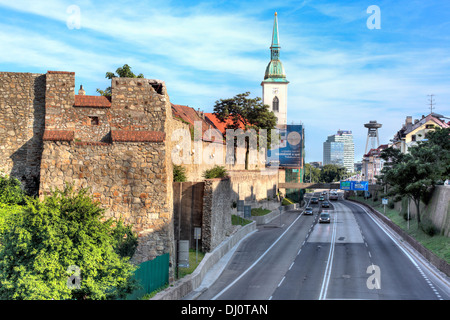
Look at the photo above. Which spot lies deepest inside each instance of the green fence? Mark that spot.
(151, 275)
(294, 175)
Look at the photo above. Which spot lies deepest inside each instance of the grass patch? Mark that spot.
(236, 220)
(150, 295)
(182, 272)
(438, 244)
(256, 212)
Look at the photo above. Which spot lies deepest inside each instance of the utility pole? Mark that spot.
(431, 102)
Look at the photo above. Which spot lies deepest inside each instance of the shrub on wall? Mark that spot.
(11, 191)
(216, 172)
(179, 173)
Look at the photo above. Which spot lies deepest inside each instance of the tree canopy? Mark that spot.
(331, 173)
(121, 72)
(63, 248)
(242, 110)
(415, 174)
(249, 113)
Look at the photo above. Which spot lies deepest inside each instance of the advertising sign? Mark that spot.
(289, 151)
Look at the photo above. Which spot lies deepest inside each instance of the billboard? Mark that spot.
(354, 185)
(290, 149)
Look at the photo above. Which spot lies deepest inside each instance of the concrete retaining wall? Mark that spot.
(191, 282)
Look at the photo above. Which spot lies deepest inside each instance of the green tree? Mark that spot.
(311, 173)
(415, 174)
(121, 72)
(331, 173)
(49, 239)
(247, 113)
(250, 113)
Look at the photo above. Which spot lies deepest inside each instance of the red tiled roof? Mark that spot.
(92, 101)
(61, 72)
(137, 136)
(222, 126)
(58, 135)
(189, 115)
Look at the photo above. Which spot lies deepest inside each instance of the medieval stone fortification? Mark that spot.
(117, 147)
(121, 149)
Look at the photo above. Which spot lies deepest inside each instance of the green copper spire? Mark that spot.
(275, 70)
(275, 44)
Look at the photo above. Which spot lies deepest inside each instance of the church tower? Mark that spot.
(275, 85)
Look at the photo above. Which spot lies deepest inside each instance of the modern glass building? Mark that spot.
(339, 149)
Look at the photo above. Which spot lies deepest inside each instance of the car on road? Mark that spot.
(324, 193)
(334, 196)
(324, 217)
(325, 204)
(308, 211)
(321, 198)
(314, 200)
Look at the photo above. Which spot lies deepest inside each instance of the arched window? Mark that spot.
(275, 104)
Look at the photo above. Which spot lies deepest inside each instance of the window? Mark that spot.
(413, 137)
(94, 120)
(275, 104)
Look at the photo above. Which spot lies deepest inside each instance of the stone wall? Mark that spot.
(437, 210)
(22, 101)
(220, 196)
(116, 147)
(126, 178)
(254, 186)
(123, 156)
(216, 221)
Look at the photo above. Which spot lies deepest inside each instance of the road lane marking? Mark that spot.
(256, 262)
(403, 249)
(281, 281)
(327, 275)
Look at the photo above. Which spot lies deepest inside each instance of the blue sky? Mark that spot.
(342, 74)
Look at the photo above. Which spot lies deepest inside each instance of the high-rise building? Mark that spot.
(274, 85)
(339, 149)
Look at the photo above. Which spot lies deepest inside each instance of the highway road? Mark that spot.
(352, 257)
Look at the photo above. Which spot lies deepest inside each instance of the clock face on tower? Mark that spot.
(275, 90)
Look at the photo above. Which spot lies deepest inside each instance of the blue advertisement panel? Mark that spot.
(289, 151)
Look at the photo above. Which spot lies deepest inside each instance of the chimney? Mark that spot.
(81, 92)
(408, 120)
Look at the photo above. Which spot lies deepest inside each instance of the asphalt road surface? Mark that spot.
(353, 257)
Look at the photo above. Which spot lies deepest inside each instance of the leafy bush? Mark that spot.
(216, 172)
(428, 227)
(47, 240)
(179, 173)
(11, 191)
